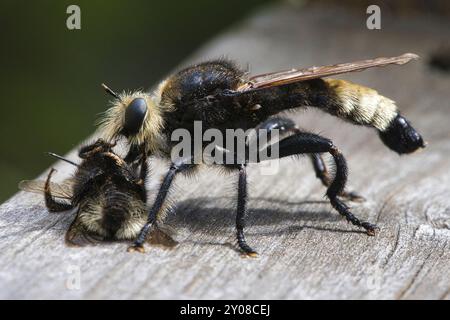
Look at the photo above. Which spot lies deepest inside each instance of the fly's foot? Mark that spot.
(247, 251)
(371, 229)
(251, 254)
(136, 248)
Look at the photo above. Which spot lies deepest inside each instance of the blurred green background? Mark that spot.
(50, 76)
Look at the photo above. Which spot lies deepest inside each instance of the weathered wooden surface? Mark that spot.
(307, 250)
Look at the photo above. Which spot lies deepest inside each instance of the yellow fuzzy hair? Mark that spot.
(362, 105)
(112, 121)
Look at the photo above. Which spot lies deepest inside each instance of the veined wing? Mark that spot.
(60, 190)
(295, 75)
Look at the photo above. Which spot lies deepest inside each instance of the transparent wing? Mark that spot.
(295, 75)
(60, 190)
(163, 235)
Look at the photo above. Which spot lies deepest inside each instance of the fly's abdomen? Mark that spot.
(364, 106)
(348, 101)
(360, 104)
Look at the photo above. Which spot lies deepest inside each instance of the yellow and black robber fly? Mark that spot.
(222, 96)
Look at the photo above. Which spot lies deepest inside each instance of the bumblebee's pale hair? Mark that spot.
(92, 215)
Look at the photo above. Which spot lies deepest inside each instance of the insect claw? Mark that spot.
(371, 229)
(250, 254)
(136, 248)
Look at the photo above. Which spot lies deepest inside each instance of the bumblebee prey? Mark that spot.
(110, 196)
(222, 96)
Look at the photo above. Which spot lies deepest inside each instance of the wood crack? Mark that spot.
(394, 249)
(411, 282)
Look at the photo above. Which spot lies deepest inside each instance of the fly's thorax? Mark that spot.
(200, 80)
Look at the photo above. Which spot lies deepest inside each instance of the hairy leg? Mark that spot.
(242, 213)
(308, 143)
(324, 175)
(286, 126)
(176, 167)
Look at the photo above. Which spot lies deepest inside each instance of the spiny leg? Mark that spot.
(52, 204)
(323, 174)
(175, 168)
(286, 126)
(304, 142)
(336, 188)
(160, 198)
(242, 212)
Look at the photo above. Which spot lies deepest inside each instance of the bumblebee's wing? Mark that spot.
(60, 190)
(163, 236)
(295, 75)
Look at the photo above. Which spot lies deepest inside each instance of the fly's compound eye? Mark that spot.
(134, 117)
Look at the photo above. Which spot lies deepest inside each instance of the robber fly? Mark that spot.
(222, 96)
(110, 197)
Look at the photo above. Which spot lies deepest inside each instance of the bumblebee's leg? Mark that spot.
(242, 212)
(323, 174)
(175, 168)
(52, 204)
(303, 142)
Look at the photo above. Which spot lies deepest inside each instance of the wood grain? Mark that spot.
(307, 250)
